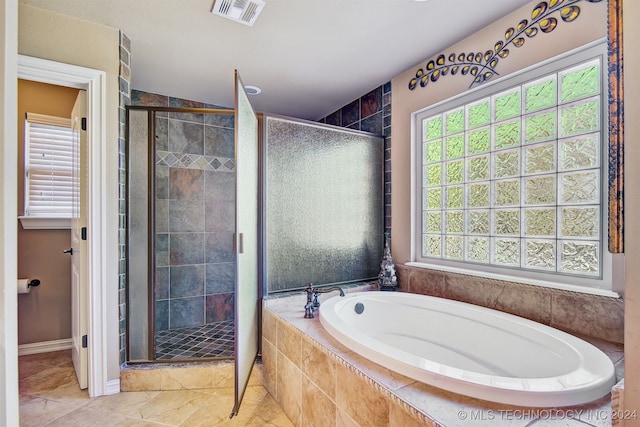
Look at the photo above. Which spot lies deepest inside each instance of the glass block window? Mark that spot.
(513, 179)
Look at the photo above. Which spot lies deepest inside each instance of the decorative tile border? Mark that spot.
(194, 161)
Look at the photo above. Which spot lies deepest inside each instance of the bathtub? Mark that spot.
(470, 350)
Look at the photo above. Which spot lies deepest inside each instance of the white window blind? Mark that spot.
(48, 166)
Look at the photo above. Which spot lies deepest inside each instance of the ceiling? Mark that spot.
(309, 57)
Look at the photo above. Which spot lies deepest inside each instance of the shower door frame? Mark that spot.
(151, 206)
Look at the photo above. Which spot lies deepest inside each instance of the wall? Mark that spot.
(56, 37)
(589, 26)
(44, 314)
(632, 208)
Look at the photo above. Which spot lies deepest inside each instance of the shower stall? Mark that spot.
(181, 226)
(315, 198)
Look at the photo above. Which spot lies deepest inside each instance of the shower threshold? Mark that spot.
(215, 340)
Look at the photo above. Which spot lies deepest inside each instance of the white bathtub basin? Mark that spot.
(471, 350)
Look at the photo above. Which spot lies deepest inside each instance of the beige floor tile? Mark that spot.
(36, 412)
(84, 417)
(122, 403)
(268, 413)
(132, 422)
(50, 396)
(170, 407)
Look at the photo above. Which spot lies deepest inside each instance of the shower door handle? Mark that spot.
(238, 242)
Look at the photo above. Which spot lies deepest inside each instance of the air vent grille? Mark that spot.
(243, 11)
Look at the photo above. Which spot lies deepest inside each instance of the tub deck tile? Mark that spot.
(369, 394)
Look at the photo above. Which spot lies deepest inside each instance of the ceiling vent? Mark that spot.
(244, 11)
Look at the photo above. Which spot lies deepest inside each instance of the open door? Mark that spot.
(78, 251)
(245, 241)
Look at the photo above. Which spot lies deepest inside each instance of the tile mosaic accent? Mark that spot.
(194, 161)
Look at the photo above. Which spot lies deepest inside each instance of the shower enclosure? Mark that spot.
(181, 227)
(218, 217)
(192, 252)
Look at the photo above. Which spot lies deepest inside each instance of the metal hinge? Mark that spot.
(84, 341)
(84, 124)
(83, 233)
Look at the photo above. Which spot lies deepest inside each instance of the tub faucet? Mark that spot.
(312, 298)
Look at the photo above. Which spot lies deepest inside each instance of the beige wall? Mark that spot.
(44, 314)
(632, 208)
(590, 26)
(60, 38)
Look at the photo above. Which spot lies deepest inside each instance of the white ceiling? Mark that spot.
(309, 57)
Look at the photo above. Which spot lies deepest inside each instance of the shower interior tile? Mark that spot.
(220, 278)
(186, 216)
(186, 137)
(162, 315)
(219, 247)
(187, 248)
(162, 283)
(187, 281)
(186, 184)
(219, 142)
(221, 120)
(162, 182)
(186, 312)
(219, 186)
(220, 307)
(219, 216)
(162, 133)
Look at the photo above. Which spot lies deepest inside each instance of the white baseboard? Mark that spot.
(113, 387)
(44, 347)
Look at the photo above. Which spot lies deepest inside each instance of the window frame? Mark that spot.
(31, 220)
(603, 284)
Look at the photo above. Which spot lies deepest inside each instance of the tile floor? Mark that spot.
(50, 396)
(215, 340)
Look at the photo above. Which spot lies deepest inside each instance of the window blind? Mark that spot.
(48, 166)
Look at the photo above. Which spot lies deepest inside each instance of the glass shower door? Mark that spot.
(245, 241)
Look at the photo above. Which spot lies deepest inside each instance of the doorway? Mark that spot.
(94, 82)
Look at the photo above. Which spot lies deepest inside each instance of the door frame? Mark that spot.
(95, 83)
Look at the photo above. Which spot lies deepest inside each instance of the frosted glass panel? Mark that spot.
(324, 204)
(246, 242)
(138, 237)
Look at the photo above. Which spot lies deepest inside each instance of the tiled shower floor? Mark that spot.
(215, 340)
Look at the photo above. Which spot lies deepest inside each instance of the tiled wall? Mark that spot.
(371, 113)
(125, 99)
(195, 264)
(577, 313)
